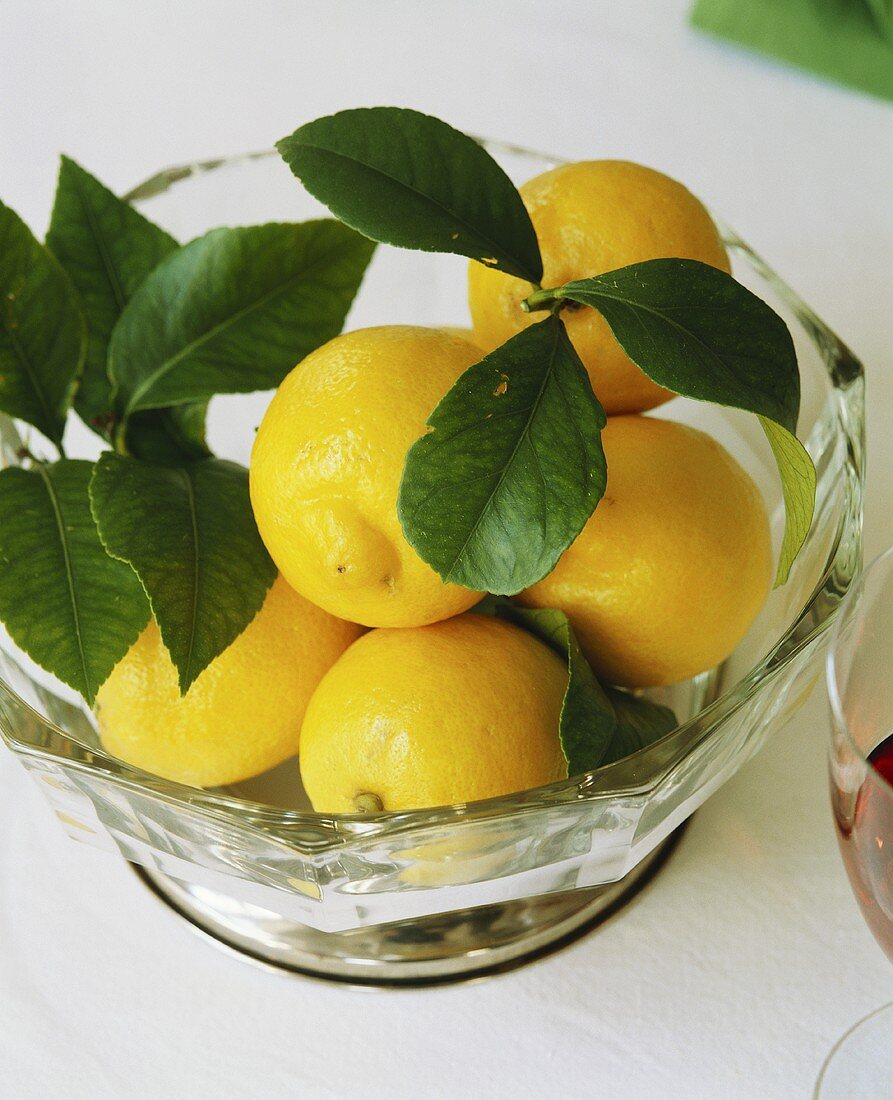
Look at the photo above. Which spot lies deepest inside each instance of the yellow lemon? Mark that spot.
(326, 469)
(675, 562)
(242, 715)
(455, 711)
(590, 218)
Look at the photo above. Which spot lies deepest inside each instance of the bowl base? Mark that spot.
(436, 950)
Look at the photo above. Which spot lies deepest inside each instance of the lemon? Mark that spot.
(326, 469)
(673, 565)
(593, 217)
(434, 715)
(242, 715)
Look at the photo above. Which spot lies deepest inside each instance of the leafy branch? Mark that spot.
(482, 498)
(697, 332)
(113, 318)
(137, 333)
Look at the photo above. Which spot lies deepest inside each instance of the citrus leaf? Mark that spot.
(65, 602)
(42, 332)
(882, 13)
(798, 486)
(599, 725)
(234, 311)
(108, 249)
(587, 724)
(696, 331)
(640, 723)
(511, 468)
(170, 436)
(408, 179)
(189, 533)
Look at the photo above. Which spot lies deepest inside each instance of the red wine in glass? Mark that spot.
(865, 833)
(860, 693)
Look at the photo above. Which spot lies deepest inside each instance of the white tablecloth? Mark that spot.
(735, 972)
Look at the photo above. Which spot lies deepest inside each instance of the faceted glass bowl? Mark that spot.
(356, 897)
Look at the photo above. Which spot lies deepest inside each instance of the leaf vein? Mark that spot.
(190, 494)
(504, 472)
(206, 337)
(108, 266)
(33, 379)
(69, 574)
(629, 303)
(431, 201)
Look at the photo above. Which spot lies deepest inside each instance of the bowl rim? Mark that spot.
(634, 776)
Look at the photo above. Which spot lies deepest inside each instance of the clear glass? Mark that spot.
(258, 848)
(860, 692)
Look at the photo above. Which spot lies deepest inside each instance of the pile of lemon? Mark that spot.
(362, 656)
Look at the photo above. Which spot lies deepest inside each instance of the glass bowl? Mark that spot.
(431, 895)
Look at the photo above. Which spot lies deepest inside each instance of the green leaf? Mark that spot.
(234, 311)
(587, 725)
(168, 437)
(696, 331)
(798, 486)
(599, 725)
(42, 332)
(408, 179)
(640, 723)
(65, 602)
(108, 249)
(511, 468)
(189, 533)
(882, 13)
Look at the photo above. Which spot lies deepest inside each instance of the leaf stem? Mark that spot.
(542, 300)
(119, 439)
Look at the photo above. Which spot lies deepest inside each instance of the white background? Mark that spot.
(740, 966)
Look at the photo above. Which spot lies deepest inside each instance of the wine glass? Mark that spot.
(860, 690)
